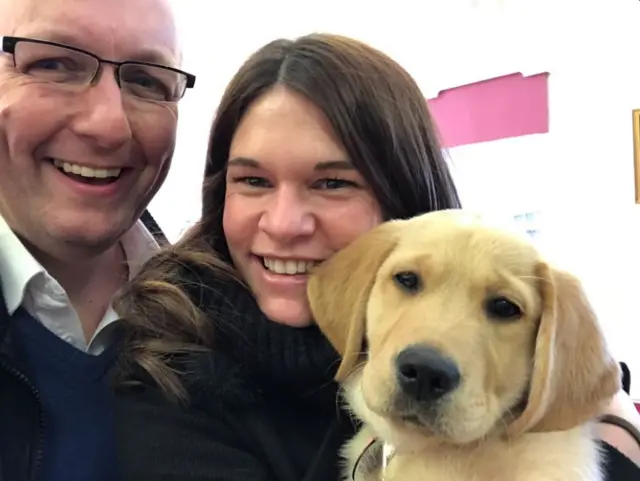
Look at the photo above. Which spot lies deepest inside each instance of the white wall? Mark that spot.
(443, 43)
(580, 174)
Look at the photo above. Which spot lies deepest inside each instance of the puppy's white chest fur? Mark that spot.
(557, 456)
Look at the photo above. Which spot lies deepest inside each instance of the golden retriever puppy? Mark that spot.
(465, 353)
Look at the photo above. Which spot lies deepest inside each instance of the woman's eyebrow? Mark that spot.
(320, 166)
(334, 165)
(243, 162)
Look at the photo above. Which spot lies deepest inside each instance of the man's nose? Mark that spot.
(287, 215)
(102, 117)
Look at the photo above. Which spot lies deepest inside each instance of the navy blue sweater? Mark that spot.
(79, 441)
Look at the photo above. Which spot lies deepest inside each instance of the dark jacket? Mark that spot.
(263, 406)
(274, 440)
(22, 425)
(21, 421)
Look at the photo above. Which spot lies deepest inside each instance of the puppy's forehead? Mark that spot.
(453, 238)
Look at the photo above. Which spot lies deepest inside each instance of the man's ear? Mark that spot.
(574, 375)
(339, 291)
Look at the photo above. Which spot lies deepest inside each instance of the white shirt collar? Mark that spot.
(26, 283)
(18, 266)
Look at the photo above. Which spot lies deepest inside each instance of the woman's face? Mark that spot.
(293, 198)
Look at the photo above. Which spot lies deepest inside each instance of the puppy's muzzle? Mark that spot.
(425, 375)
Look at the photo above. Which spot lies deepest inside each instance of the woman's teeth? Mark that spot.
(288, 267)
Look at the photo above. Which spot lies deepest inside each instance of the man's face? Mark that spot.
(46, 129)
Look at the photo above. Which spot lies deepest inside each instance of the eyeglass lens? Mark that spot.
(57, 64)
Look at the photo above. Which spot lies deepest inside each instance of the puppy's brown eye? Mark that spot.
(408, 281)
(502, 308)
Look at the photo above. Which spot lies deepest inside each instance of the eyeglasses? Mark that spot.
(73, 67)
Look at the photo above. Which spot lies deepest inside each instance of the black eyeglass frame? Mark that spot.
(9, 46)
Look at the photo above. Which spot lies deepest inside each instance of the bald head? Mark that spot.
(117, 26)
(9, 9)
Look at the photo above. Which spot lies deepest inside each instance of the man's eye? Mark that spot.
(54, 64)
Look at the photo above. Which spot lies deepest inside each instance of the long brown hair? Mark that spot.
(377, 112)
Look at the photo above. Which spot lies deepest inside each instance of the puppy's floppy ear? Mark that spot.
(339, 291)
(574, 375)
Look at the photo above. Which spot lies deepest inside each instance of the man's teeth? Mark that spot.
(290, 267)
(84, 171)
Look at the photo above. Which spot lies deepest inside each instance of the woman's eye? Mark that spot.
(251, 181)
(333, 184)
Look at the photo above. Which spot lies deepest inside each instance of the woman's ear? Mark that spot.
(574, 374)
(339, 290)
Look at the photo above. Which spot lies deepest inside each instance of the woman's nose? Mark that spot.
(287, 215)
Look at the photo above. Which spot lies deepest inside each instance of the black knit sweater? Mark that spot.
(263, 406)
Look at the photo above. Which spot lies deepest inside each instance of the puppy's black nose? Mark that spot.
(426, 374)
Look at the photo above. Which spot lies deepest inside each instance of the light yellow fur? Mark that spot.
(554, 358)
